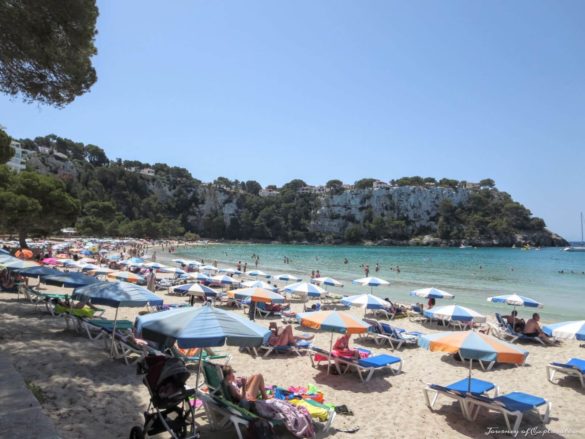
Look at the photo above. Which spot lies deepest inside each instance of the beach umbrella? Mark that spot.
(224, 280)
(259, 284)
(327, 281)
(135, 261)
(574, 330)
(229, 271)
(196, 290)
(288, 277)
(515, 300)
(116, 294)
(305, 289)
(100, 271)
(70, 263)
(69, 280)
(454, 313)
(39, 271)
(87, 261)
(371, 282)
(85, 252)
(334, 322)
(24, 254)
(18, 264)
(432, 293)
(179, 261)
(202, 277)
(202, 327)
(4, 252)
(126, 276)
(171, 270)
(88, 267)
(7, 258)
(366, 301)
(208, 268)
(153, 265)
(256, 295)
(50, 261)
(259, 273)
(473, 345)
(193, 262)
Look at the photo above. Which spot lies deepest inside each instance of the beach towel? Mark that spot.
(297, 420)
(316, 412)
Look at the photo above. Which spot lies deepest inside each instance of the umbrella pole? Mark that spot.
(469, 378)
(198, 374)
(114, 333)
(329, 359)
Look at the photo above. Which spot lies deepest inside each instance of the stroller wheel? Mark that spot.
(136, 433)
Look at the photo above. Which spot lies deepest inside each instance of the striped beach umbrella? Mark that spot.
(224, 280)
(256, 295)
(259, 273)
(100, 271)
(454, 313)
(305, 289)
(196, 290)
(574, 330)
(259, 284)
(515, 300)
(327, 281)
(334, 322)
(201, 277)
(208, 268)
(432, 293)
(174, 270)
(153, 265)
(366, 301)
(126, 276)
(473, 345)
(371, 282)
(288, 277)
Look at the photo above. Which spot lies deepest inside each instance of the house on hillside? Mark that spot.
(379, 184)
(18, 160)
(268, 192)
(149, 172)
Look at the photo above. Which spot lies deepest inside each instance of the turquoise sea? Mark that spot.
(471, 274)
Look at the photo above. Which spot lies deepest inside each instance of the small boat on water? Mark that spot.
(577, 248)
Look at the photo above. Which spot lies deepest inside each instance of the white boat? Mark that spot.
(577, 248)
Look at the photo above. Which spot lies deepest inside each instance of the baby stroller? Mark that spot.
(170, 408)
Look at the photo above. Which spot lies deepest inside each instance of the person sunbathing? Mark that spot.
(532, 329)
(516, 323)
(285, 337)
(246, 393)
(341, 348)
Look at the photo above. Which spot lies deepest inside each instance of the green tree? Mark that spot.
(487, 182)
(335, 186)
(253, 187)
(353, 233)
(6, 151)
(46, 49)
(35, 203)
(95, 155)
(365, 183)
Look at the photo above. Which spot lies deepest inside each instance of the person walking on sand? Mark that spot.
(151, 281)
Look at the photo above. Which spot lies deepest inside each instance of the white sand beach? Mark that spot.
(89, 395)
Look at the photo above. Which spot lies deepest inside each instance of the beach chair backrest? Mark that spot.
(500, 320)
(213, 376)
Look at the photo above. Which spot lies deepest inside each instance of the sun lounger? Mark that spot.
(381, 337)
(459, 392)
(416, 314)
(301, 348)
(130, 349)
(573, 367)
(514, 404)
(99, 328)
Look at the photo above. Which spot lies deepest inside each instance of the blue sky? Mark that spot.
(275, 90)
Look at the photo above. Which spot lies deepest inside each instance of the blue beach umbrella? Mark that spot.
(454, 313)
(327, 281)
(4, 252)
(574, 330)
(366, 301)
(116, 294)
(224, 280)
(259, 284)
(6, 258)
(16, 264)
(200, 328)
(229, 271)
(135, 260)
(371, 282)
(69, 280)
(39, 271)
(432, 293)
(515, 300)
(201, 277)
(259, 273)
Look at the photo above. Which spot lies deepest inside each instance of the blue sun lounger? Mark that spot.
(514, 404)
(573, 367)
(459, 391)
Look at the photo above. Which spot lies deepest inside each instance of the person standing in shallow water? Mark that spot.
(367, 270)
(377, 267)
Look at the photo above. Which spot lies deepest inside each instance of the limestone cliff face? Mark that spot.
(417, 206)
